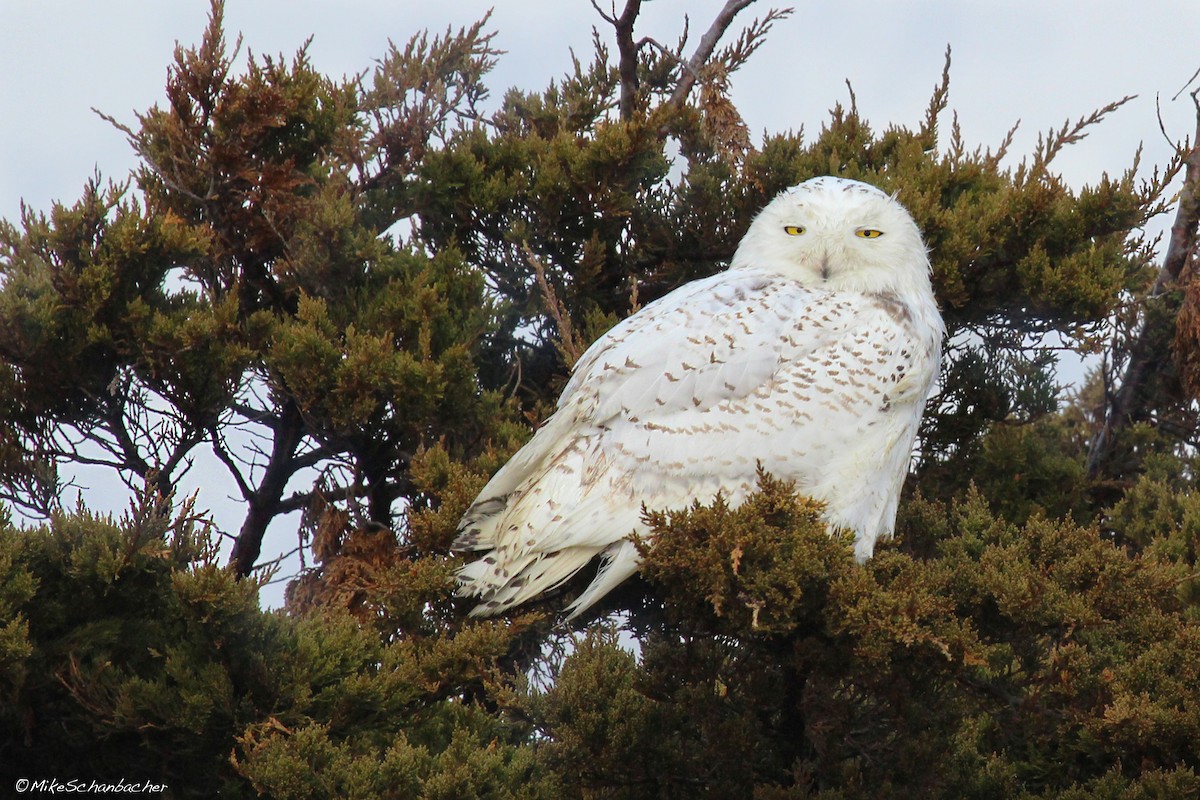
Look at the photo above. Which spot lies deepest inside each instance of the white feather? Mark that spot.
(813, 354)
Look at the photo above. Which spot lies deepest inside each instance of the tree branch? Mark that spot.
(690, 69)
(1123, 404)
(264, 501)
(569, 344)
(708, 43)
(628, 50)
(226, 458)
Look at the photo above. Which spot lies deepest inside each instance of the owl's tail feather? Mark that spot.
(502, 580)
(477, 531)
(620, 562)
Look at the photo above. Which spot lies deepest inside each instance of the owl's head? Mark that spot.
(841, 235)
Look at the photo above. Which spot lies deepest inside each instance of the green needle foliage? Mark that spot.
(359, 297)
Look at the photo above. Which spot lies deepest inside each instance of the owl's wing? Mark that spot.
(657, 359)
(680, 401)
(709, 341)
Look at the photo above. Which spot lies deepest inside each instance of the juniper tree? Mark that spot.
(360, 296)
(242, 300)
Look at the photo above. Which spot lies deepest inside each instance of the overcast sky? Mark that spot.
(1038, 62)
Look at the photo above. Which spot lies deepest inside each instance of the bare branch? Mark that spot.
(1183, 230)
(224, 456)
(628, 51)
(611, 19)
(708, 43)
(1144, 355)
(264, 500)
(314, 456)
(853, 97)
(663, 50)
(1183, 88)
(299, 501)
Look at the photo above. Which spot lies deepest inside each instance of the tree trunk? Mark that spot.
(264, 503)
(1149, 353)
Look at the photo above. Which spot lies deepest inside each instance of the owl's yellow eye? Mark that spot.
(868, 233)
(793, 230)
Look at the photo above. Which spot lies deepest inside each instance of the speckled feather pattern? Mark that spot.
(797, 359)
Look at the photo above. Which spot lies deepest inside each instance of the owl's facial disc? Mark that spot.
(841, 235)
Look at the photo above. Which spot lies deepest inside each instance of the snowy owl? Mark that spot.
(813, 355)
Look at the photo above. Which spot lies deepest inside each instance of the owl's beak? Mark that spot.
(825, 270)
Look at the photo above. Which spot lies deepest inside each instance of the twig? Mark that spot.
(1183, 88)
(1122, 404)
(1183, 230)
(1049, 145)
(708, 43)
(568, 341)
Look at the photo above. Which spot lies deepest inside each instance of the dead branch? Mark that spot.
(1183, 230)
(568, 341)
(1122, 405)
(691, 69)
(708, 43)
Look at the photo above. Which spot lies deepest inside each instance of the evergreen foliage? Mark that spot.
(361, 296)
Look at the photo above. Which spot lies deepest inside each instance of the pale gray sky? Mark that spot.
(1038, 62)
